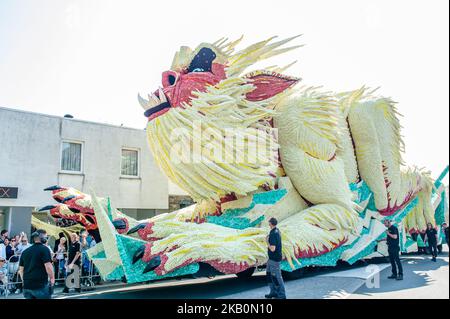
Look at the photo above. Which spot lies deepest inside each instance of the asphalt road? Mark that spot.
(422, 279)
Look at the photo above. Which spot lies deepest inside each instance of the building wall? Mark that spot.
(19, 220)
(30, 155)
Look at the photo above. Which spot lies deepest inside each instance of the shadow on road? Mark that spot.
(310, 286)
(209, 289)
(416, 274)
(224, 287)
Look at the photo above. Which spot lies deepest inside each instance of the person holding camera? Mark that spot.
(35, 268)
(23, 244)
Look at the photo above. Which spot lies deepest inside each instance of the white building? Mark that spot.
(37, 151)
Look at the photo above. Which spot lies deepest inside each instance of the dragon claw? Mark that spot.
(136, 228)
(152, 264)
(45, 208)
(67, 198)
(138, 254)
(53, 188)
(119, 224)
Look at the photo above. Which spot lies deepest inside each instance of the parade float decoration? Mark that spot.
(74, 206)
(54, 230)
(248, 145)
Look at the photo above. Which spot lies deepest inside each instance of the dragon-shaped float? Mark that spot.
(330, 170)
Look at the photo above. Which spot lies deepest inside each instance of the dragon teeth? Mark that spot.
(162, 96)
(153, 100)
(143, 102)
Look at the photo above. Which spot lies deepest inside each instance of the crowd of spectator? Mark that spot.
(65, 253)
(13, 246)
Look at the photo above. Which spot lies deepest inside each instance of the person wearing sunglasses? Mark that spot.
(36, 268)
(23, 244)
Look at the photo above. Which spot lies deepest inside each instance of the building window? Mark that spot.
(71, 157)
(129, 166)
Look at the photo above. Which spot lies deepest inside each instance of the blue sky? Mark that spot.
(91, 58)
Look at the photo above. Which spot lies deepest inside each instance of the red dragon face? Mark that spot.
(205, 70)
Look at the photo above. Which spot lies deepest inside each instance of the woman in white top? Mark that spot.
(61, 257)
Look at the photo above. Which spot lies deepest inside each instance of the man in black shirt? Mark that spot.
(393, 243)
(273, 265)
(445, 230)
(73, 259)
(431, 238)
(35, 267)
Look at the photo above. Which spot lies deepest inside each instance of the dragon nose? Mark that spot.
(169, 78)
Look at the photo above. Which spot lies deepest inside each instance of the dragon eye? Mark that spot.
(202, 61)
(172, 79)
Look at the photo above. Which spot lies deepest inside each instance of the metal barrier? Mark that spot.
(12, 282)
(60, 277)
(4, 284)
(89, 276)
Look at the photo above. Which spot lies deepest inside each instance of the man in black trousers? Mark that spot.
(393, 243)
(445, 230)
(273, 264)
(431, 238)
